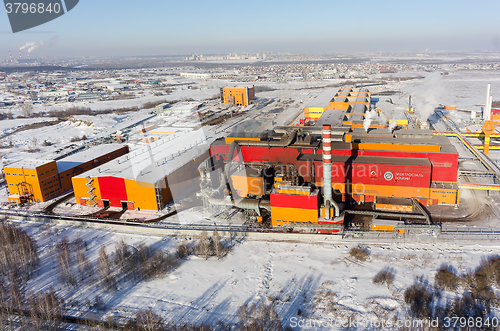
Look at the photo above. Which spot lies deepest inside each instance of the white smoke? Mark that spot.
(428, 95)
(383, 118)
(32, 45)
(369, 117)
(393, 125)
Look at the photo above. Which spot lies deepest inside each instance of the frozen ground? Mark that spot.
(30, 143)
(321, 280)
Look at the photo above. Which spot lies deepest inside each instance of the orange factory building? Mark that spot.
(41, 180)
(147, 178)
(240, 96)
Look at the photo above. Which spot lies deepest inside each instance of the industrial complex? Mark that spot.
(301, 175)
(345, 157)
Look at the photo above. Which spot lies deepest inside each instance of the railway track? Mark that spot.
(168, 229)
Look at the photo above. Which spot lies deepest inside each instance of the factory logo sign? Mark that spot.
(27, 14)
(388, 176)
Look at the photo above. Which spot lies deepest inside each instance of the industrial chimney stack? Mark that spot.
(327, 168)
(487, 105)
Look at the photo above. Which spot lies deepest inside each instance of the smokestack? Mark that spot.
(487, 105)
(11, 61)
(327, 168)
(409, 103)
(20, 56)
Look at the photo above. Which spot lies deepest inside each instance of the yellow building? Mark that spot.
(240, 96)
(42, 180)
(32, 180)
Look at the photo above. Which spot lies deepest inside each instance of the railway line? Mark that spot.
(412, 232)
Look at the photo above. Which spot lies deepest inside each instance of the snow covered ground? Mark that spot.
(320, 279)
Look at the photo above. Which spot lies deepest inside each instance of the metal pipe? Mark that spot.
(270, 143)
(253, 204)
(487, 105)
(340, 131)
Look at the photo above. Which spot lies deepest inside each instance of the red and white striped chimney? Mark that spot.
(327, 168)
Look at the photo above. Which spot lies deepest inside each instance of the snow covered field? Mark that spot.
(305, 281)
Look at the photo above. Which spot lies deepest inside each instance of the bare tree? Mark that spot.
(149, 321)
(45, 310)
(18, 254)
(64, 262)
(27, 109)
(204, 244)
(84, 266)
(104, 269)
(262, 317)
(217, 244)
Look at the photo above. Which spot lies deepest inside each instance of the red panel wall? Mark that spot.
(397, 175)
(373, 174)
(295, 201)
(444, 165)
(113, 188)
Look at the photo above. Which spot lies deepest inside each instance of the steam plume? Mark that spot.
(369, 117)
(427, 96)
(32, 45)
(393, 125)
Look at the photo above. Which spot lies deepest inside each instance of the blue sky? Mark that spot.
(154, 27)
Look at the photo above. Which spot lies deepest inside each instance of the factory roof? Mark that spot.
(420, 162)
(69, 161)
(398, 141)
(357, 108)
(184, 106)
(239, 86)
(28, 163)
(398, 133)
(322, 100)
(157, 160)
(333, 117)
(86, 155)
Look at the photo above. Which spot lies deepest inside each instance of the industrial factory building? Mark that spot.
(313, 168)
(411, 164)
(147, 178)
(346, 101)
(240, 96)
(42, 180)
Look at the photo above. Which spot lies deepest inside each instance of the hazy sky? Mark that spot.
(154, 27)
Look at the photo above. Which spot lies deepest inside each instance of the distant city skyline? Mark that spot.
(132, 28)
